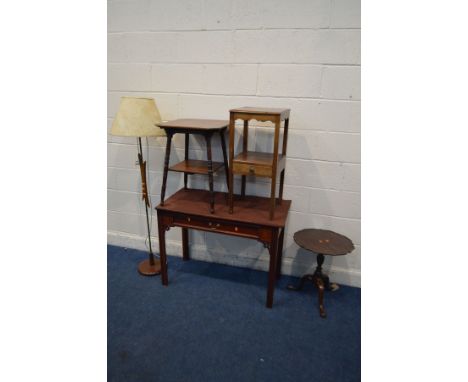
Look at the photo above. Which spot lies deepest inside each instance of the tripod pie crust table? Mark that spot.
(322, 242)
(187, 209)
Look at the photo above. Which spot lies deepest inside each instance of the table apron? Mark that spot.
(263, 234)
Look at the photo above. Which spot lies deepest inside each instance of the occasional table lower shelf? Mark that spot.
(194, 166)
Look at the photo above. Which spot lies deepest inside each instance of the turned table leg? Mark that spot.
(162, 250)
(187, 140)
(273, 249)
(210, 171)
(166, 167)
(185, 247)
(225, 159)
(280, 254)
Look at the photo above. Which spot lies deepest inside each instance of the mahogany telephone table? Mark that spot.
(187, 209)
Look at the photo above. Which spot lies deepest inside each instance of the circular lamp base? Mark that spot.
(146, 269)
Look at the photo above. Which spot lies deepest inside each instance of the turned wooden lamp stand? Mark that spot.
(258, 163)
(321, 242)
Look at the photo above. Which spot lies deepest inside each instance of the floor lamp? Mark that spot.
(137, 117)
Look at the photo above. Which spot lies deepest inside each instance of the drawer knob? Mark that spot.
(252, 169)
(212, 226)
(236, 229)
(188, 219)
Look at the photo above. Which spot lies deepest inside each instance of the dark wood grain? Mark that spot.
(195, 166)
(323, 242)
(207, 128)
(269, 165)
(251, 209)
(187, 209)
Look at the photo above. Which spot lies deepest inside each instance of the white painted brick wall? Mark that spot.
(198, 59)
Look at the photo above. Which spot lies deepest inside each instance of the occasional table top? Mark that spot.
(251, 209)
(323, 241)
(262, 110)
(195, 124)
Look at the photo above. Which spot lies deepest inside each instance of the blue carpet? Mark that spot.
(211, 324)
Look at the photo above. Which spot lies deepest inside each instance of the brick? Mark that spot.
(336, 47)
(311, 173)
(341, 82)
(128, 15)
(351, 177)
(176, 15)
(217, 14)
(206, 106)
(230, 79)
(123, 156)
(205, 47)
(116, 48)
(123, 179)
(128, 223)
(247, 14)
(183, 78)
(297, 46)
(296, 14)
(142, 47)
(129, 77)
(335, 203)
(125, 202)
(334, 116)
(338, 147)
(299, 197)
(346, 14)
(289, 80)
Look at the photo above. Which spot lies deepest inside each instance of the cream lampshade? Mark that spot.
(137, 117)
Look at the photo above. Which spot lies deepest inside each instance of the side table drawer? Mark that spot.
(213, 225)
(251, 169)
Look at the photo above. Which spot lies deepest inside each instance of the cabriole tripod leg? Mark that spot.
(321, 289)
(301, 282)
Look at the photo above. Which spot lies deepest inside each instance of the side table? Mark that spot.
(322, 242)
(207, 128)
(187, 209)
(258, 163)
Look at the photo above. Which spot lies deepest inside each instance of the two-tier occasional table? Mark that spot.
(207, 128)
(322, 242)
(258, 163)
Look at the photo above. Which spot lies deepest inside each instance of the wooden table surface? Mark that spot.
(251, 209)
